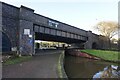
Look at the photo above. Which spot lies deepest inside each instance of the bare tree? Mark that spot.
(108, 29)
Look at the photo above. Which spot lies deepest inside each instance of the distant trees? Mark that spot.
(108, 29)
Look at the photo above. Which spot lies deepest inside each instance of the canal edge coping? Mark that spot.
(60, 67)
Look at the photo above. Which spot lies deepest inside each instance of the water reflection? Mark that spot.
(77, 67)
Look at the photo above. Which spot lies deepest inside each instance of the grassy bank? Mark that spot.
(17, 60)
(106, 55)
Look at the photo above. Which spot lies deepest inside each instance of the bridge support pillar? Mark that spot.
(88, 44)
(26, 34)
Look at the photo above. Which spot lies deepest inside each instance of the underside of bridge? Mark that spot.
(48, 37)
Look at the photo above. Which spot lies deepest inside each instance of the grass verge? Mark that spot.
(103, 54)
(17, 60)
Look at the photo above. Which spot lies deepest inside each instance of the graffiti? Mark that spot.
(30, 41)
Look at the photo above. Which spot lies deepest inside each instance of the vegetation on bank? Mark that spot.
(16, 60)
(104, 54)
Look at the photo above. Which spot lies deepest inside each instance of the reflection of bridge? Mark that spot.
(23, 26)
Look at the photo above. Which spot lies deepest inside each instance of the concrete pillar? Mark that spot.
(26, 34)
(88, 44)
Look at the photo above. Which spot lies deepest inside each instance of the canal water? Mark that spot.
(78, 67)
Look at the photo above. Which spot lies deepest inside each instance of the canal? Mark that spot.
(78, 67)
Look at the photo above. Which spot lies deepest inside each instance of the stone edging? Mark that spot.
(60, 66)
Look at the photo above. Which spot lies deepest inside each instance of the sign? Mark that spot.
(27, 31)
(30, 36)
(53, 23)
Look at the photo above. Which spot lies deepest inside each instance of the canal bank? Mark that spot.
(104, 55)
(61, 70)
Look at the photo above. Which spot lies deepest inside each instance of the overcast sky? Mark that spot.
(83, 14)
